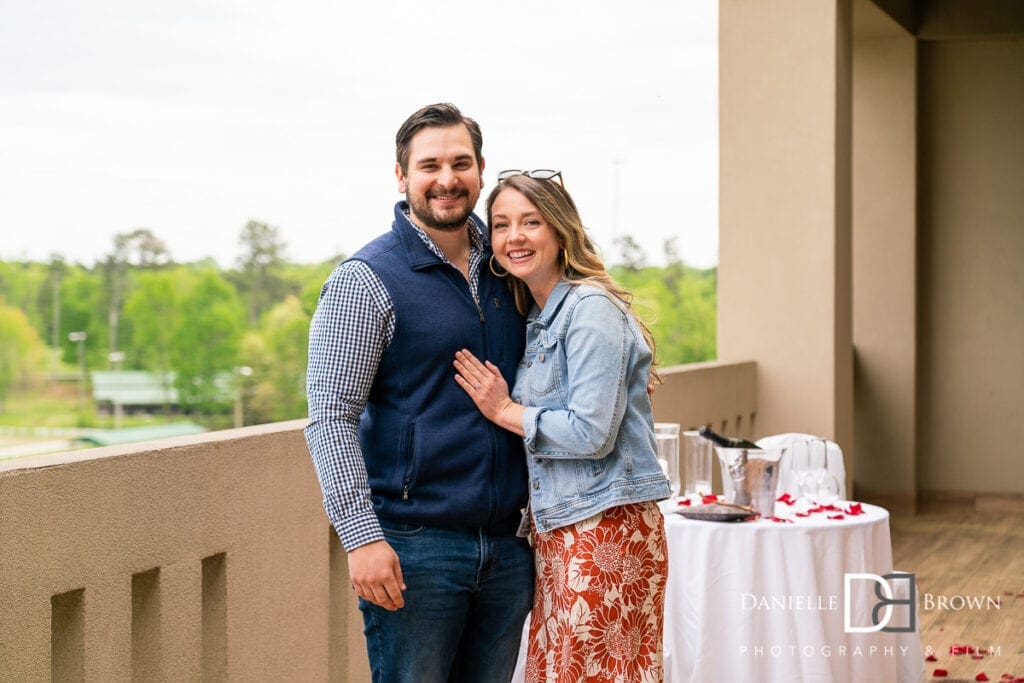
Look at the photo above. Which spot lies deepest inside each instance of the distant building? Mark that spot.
(133, 390)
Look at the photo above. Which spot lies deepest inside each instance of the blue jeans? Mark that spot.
(467, 596)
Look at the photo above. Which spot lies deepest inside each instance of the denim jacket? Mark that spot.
(589, 426)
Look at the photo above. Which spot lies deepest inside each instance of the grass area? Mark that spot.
(57, 405)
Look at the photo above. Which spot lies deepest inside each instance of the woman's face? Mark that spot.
(524, 243)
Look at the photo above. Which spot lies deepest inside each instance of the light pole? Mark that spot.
(79, 339)
(116, 358)
(241, 372)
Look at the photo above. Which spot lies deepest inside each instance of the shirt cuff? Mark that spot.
(358, 530)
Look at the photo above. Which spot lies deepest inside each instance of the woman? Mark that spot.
(581, 403)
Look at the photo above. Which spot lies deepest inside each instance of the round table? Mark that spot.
(764, 600)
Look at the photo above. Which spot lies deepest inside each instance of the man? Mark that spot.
(424, 493)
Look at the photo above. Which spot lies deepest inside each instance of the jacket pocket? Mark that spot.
(544, 367)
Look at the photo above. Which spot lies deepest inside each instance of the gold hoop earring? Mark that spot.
(494, 270)
(565, 261)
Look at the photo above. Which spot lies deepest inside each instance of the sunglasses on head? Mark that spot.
(536, 174)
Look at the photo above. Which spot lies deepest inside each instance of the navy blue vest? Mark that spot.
(432, 458)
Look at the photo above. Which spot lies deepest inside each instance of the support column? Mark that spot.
(885, 258)
(784, 290)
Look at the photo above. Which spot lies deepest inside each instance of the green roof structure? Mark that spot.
(111, 437)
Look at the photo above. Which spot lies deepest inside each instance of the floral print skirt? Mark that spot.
(599, 601)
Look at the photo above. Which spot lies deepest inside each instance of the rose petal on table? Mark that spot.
(708, 499)
(786, 498)
(803, 514)
(981, 677)
(940, 673)
(855, 509)
(781, 519)
(684, 501)
(836, 517)
(931, 658)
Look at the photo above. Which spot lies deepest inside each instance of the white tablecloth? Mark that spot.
(723, 620)
(725, 579)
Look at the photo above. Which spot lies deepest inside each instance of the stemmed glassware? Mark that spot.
(804, 480)
(826, 482)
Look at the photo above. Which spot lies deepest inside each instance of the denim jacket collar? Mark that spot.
(543, 317)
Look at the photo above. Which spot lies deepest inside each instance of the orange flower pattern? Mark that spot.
(599, 601)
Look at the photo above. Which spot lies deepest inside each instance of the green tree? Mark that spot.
(260, 263)
(277, 354)
(140, 249)
(21, 351)
(633, 256)
(153, 310)
(679, 305)
(82, 309)
(205, 342)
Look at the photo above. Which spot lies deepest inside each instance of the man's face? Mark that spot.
(443, 181)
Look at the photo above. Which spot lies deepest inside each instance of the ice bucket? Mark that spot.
(750, 477)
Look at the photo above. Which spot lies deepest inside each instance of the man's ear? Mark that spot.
(402, 186)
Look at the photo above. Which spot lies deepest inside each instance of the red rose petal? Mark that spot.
(781, 519)
(802, 514)
(940, 673)
(708, 499)
(981, 677)
(684, 501)
(931, 658)
(855, 509)
(836, 517)
(786, 498)
(977, 656)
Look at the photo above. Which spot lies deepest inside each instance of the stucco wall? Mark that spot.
(197, 557)
(784, 293)
(971, 203)
(884, 257)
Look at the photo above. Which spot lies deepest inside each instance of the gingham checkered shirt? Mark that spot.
(353, 325)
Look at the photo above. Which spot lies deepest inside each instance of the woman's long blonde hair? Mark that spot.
(580, 262)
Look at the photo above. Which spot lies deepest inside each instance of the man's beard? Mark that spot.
(426, 217)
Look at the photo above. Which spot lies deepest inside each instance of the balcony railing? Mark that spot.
(209, 557)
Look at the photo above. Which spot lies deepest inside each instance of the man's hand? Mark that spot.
(377, 575)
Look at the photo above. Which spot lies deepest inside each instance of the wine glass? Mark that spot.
(804, 481)
(827, 483)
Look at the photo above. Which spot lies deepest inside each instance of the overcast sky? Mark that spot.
(192, 117)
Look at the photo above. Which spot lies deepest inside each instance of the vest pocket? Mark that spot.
(408, 455)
